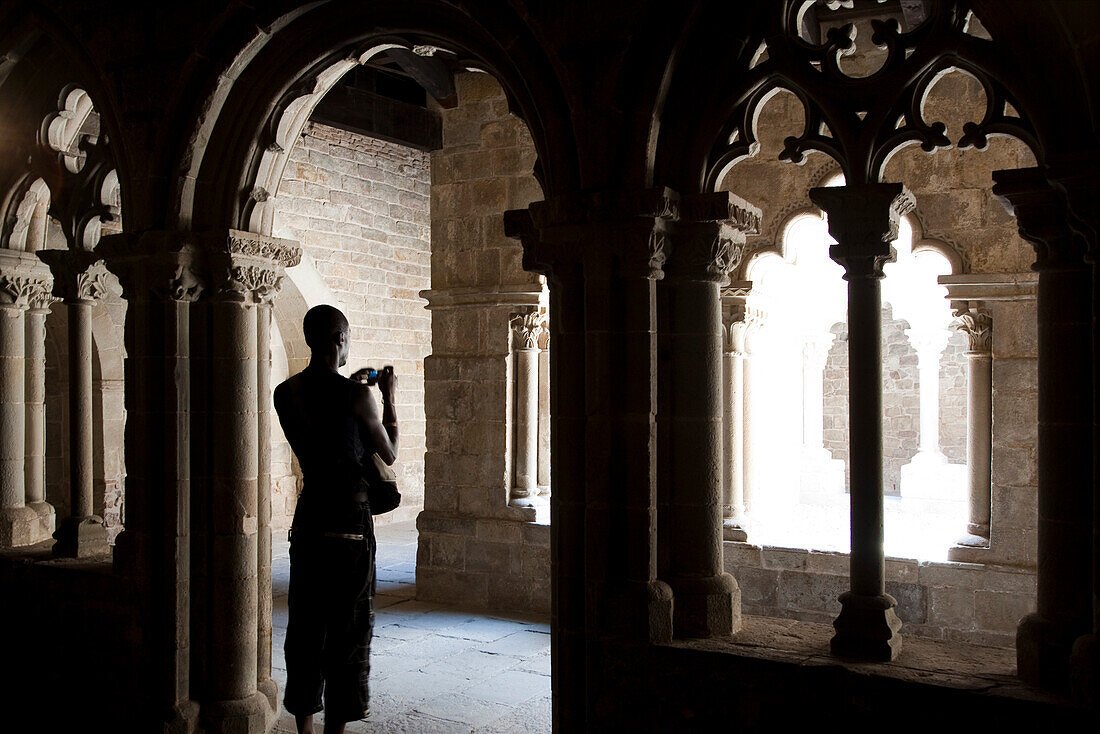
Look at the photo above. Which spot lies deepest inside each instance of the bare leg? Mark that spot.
(304, 724)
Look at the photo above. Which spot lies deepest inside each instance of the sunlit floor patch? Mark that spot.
(435, 668)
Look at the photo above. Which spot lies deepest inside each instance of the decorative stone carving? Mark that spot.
(249, 267)
(864, 220)
(78, 276)
(527, 327)
(24, 280)
(842, 125)
(978, 327)
(157, 265)
(1041, 216)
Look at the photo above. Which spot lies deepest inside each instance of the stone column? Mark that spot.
(1076, 176)
(708, 242)
(525, 337)
(544, 413)
(815, 353)
(601, 254)
(750, 369)
(1064, 585)
(978, 326)
(79, 281)
(264, 683)
(160, 279)
(245, 270)
(864, 220)
(929, 345)
(734, 326)
(35, 468)
(22, 278)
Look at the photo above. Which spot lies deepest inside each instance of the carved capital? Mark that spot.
(155, 265)
(79, 276)
(1078, 178)
(1041, 216)
(735, 326)
(706, 251)
(977, 324)
(815, 349)
(527, 326)
(864, 220)
(248, 268)
(24, 280)
(622, 230)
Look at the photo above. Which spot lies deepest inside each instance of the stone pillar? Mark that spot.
(245, 270)
(750, 369)
(35, 468)
(22, 278)
(1064, 585)
(734, 326)
(601, 254)
(160, 279)
(815, 353)
(864, 220)
(79, 281)
(1076, 176)
(978, 326)
(929, 345)
(264, 683)
(544, 413)
(525, 337)
(708, 242)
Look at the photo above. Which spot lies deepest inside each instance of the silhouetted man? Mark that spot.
(333, 426)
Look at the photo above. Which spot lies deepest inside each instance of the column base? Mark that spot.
(706, 607)
(734, 530)
(637, 610)
(250, 715)
(18, 527)
(867, 628)
(1043, 652)
(47, 519)
(270, 689)
(960, 553)
(1084, 668)
(81, 537)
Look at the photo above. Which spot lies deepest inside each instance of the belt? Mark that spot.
(345, 536)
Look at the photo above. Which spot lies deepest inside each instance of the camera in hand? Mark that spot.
(372, 376)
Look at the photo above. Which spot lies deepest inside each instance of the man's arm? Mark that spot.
(381, 430)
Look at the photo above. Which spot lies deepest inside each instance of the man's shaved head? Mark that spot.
(321, 324)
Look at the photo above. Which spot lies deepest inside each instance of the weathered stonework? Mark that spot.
(359, 208)
(472, 543)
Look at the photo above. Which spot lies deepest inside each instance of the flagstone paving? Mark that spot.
(435, 668)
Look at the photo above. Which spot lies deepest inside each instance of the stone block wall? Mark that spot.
(359, 208)
(473, 545)
(900, 399)
(961, 602)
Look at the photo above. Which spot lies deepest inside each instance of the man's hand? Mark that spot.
(387, 383)
(360, 376)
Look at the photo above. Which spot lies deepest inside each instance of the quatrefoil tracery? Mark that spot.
(863, 122)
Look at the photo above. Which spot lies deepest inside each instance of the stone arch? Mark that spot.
(287, 70)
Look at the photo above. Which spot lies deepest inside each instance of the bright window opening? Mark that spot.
(797, 399)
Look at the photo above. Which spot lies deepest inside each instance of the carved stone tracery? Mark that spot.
(844, 117)
(78, 276)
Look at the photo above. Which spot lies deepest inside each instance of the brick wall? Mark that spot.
(359, 208)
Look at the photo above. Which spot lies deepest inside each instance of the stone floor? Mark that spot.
(435, 668)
